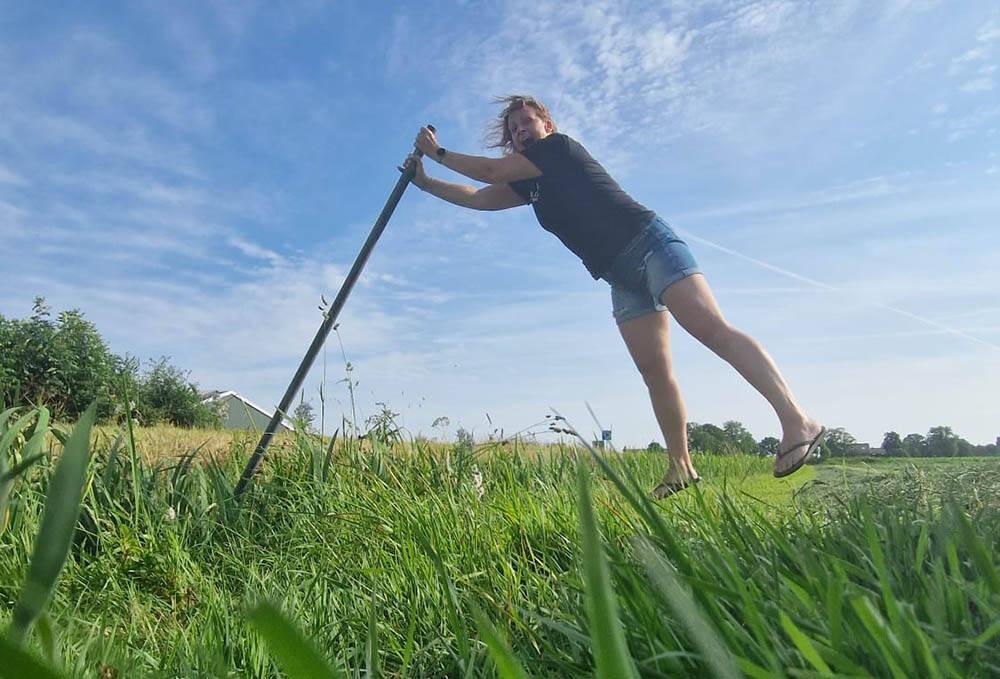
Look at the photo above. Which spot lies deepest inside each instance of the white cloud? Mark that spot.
(958, 64)
(968, 124)
(252, 250)
(989, 32)
(7, 176)
(977, 85)
(459, 312)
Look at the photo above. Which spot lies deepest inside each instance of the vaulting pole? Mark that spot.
(331, 318)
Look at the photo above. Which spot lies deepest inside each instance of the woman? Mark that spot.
(649, 268)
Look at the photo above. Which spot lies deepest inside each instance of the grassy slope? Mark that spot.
(167, 596)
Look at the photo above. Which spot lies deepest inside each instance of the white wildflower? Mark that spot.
(477, 481)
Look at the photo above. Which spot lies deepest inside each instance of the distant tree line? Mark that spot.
(65, 364)
(939, 442)
(732, 438)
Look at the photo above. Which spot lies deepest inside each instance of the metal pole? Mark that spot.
(324, 330)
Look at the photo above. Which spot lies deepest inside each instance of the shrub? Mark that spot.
(63, 363)
(165, 394)
(66, 365)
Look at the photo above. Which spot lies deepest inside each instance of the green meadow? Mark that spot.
(365, 559)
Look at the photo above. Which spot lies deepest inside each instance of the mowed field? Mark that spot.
(423, 560)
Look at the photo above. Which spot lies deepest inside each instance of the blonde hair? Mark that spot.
(498, 134)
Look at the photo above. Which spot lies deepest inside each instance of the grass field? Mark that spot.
(506, 561)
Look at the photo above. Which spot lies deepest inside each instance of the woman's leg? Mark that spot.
(648, 340)
(691, 302)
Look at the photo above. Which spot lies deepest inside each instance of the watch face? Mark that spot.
(440, 151)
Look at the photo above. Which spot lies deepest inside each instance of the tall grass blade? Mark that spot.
(611, 655)
(6, 415)
(991, 631)
(712, 648)
(411, 629)
(879, 633)
(507, 665)
(62, 506)
(805, 646)
(329, 456)
(980, 555)
(47, 637)
(16, 663)
(10, 434)
(633, 494)
(371, 647)
(133, 461)
(110, 476)
(29, 455)
(7, 484)
(34, 444)
(450, 598)
(296, 656)
(17, 470)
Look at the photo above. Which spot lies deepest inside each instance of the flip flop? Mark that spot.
(812, 446)
(673, 487)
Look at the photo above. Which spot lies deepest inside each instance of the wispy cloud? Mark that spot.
(9, 177)
(210, 176)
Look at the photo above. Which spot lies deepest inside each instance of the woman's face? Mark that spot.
(526, 127)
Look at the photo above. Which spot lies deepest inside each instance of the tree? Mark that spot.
(66, 365)
(706, 438)
(84, 363)
(654, 447)
(465, 443)
(941, 442)
(739, 438)
(167, 395)
(965, 449)
(305, 415)
(63, 364)
(838, 441)
(892, 444)
(441, 424)
(769, 446)
(914, 445)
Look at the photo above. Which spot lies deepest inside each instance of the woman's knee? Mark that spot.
(656, 370)
(712, 331)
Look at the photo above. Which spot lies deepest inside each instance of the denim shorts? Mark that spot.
(653, 261)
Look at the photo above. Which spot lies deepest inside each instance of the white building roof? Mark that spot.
(217, 395)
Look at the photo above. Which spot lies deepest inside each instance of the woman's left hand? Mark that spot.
(427, 142)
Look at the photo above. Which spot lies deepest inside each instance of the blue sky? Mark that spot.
(194, 176)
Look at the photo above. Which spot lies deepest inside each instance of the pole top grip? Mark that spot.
(432, 129)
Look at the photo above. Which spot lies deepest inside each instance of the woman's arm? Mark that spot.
(492, 197)
(488, 170)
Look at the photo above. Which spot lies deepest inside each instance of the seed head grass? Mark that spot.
(425, 559)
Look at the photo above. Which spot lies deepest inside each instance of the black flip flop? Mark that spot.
(675, 487)
(812, 446)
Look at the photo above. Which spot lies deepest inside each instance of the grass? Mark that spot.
(389, 562)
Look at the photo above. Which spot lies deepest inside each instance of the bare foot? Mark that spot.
(791, 453)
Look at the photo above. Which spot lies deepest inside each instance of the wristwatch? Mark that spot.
(440, 152)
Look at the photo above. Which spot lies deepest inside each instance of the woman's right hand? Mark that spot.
(419, 177)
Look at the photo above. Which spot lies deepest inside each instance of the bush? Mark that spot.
(165, 394)
(464, 441)
(66, 365)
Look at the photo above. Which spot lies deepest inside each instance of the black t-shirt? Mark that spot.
(580, 203)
